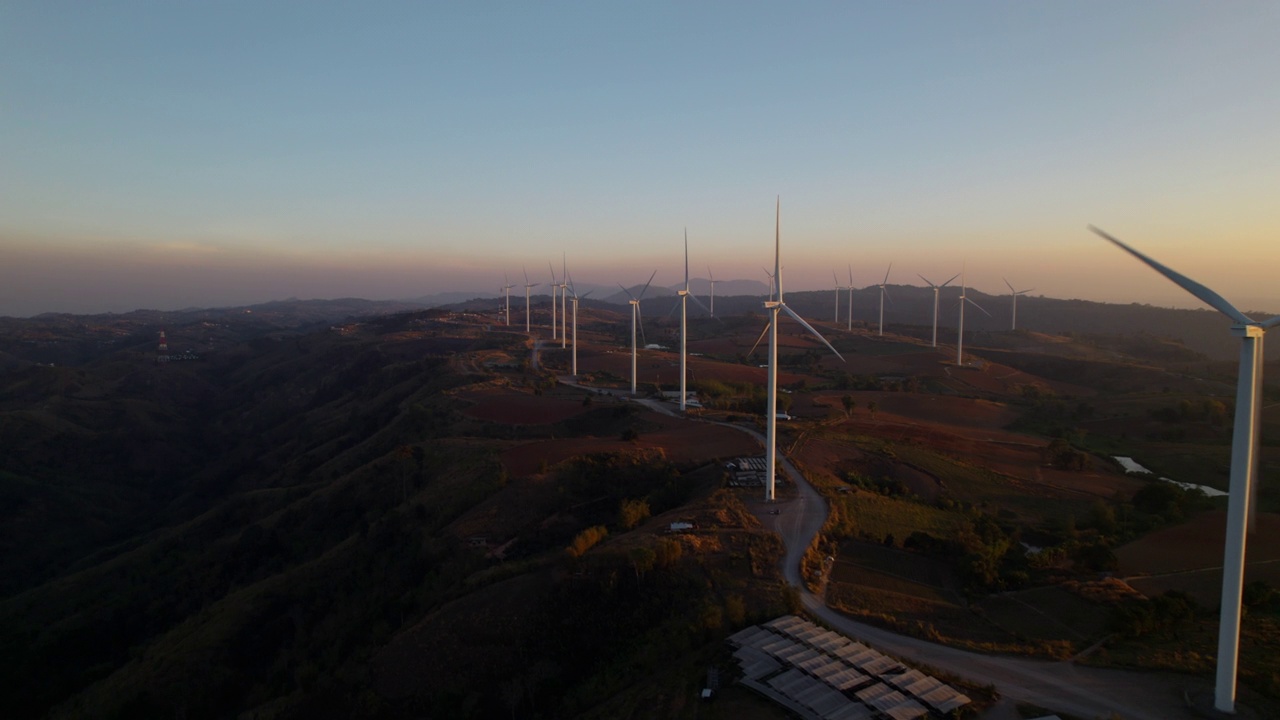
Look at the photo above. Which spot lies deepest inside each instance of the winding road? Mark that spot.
(1061, 686)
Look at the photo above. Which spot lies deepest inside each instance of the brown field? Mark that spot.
(512, 407)
(1188, 557)
(682, 441)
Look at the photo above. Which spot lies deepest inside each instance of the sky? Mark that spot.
(170, 155)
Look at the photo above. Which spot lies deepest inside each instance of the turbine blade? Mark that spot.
(686, 259)
(710, 277)
(886, 294)
(953, 277)
(640, 325)
(698, 302)
(1024, 292)
(526, 276)
(628, 292)
(1209, 297)
(813, 332)
(646, 285)
(926, 280)
(1268, 324)
(673, 307)
(1006, 282)
(762, 334)
(777, 247)
(886, 273)
(984, 310)
(850, 276)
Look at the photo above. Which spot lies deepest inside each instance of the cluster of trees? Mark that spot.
(1208, 410)
(1164, 615)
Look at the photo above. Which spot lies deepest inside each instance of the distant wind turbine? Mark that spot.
(527, 286)
(960, 335)
(1244, 463)
(850, 290)
(836, 280)
(564, 300)
(712, 280)
(635, 319)
(936, 288)
(884, 292)
(554, 286)
(574, 368)
(775, 308)
(1016, 293)
(772, 283)
(685, 295)
(506, 290)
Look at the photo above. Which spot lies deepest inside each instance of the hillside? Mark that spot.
(406, 515)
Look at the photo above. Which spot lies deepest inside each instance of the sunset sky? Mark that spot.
(176, 154)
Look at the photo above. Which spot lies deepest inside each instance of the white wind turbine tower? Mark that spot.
(635, 319)
(936, 288)
(555, 285)
(564, 301)
(684, 327)
(1016, 293)
(960, 333)
(506, 290)
(574, 370)
(836, 280)
(774, 308)
(527, 286)
(712, 280)
(850, 291)
(883, 292)
(1244, 459)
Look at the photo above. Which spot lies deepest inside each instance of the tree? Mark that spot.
(849, 404)
(632, 512)
(642, 559)
(871, 408)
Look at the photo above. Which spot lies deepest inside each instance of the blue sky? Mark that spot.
(176, 154)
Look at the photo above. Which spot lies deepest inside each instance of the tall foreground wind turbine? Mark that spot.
(527, 287)
(775, 307)
(960, 335)
(1016, 293)
(936, 288)
(506, 289)
(1244, 463)
(883, 292)
(635, 319)
(684, 328)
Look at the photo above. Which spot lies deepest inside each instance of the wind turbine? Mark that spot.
(774, 308)
(635, 318)
(554, 286)
(564, 300)
(960, 334)
(712, 279)
(1016, 293)
(1244, 463)
(684, 328)
(573, 290)
(506, 289)
(936, 288)
(772, 283)
(836, 280)
(850, 289)
(527, 287)
(883, 292)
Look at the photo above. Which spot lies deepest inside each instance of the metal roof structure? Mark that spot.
(823, 675)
